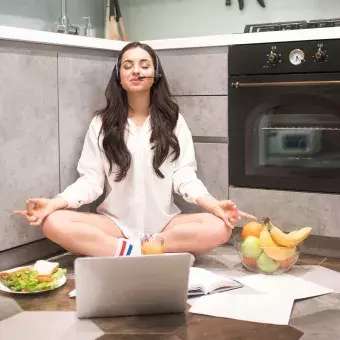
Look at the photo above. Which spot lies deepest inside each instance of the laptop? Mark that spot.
(131, 285)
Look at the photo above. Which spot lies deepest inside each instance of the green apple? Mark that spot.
(251, 247)
(266, 264)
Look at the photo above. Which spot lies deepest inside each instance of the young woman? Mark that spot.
(140, 150)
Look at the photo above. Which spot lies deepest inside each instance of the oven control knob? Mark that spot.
(273, 58)
(320, 55)
(297, 57)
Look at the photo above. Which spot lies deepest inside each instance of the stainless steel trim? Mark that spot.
(237, 84)
(207, 139)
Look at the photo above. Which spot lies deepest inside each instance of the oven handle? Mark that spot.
(237, 84)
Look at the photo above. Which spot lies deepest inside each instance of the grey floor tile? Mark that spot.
(224, 250)
(315, 305)
(321, 336)
(307, 307)
(138, 337)
(208, 262)
(49, 326)
(147, 324)
(227, 261)
(318, 322)
(8, 307)
(206, 327)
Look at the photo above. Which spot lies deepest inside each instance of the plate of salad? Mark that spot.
(41, 277)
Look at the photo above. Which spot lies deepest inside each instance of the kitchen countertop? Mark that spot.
(51, 38)
(246, 38)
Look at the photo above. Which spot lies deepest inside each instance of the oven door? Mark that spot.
(284, 132)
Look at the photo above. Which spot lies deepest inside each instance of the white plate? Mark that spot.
(60, 282)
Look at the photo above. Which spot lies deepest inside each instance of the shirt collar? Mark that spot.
(134, 129)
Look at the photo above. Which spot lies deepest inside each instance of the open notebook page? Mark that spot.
(208, 282)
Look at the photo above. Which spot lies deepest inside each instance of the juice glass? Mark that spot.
(153, 244)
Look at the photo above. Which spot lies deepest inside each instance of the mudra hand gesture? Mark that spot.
(224, 209)
(37, 209)
(228, 212)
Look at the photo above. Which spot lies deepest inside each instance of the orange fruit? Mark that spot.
(251, 229)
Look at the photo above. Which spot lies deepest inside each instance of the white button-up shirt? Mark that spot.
(141, 203)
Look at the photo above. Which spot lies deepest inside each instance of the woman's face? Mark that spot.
(136, 62)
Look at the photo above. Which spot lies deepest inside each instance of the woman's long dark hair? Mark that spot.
(164, 115)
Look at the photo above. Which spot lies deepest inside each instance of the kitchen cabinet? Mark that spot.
(197, 73)
(82, 83)
(29, 163)
(206, 116)
(212, 170)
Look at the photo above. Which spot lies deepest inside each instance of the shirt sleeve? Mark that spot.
(90, 184)
(185, 181)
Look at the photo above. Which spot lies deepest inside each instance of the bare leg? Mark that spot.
(195, 233)
(83, 233)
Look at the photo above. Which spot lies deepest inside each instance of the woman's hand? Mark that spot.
(37, 209)
(225, 209)
(228, 212)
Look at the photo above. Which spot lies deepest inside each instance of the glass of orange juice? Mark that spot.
(153, 244)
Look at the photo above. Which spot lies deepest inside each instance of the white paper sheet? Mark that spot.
(284, 285)
(260, 308)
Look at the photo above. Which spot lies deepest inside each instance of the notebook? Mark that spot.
(204, 282)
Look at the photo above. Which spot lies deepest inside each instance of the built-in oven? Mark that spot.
(284, 116)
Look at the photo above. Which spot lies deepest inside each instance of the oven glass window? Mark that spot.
(303, 139)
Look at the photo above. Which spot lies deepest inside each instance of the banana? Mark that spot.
(271, 248)
(292, 239)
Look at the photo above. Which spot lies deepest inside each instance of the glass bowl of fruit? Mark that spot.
(264, 248)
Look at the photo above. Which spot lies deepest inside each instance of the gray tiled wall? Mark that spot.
(212, 170)
(82, 83)
(292, 210)
(205, 115)
(212, 164)
(28, 138)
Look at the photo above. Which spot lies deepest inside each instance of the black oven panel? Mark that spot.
(284, 116)
(290, 57)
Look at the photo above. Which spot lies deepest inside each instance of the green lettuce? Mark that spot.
(26, 281)
(59, 273)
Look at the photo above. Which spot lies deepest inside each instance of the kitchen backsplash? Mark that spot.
(155, 19)
(163, 19)
(44, 14)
